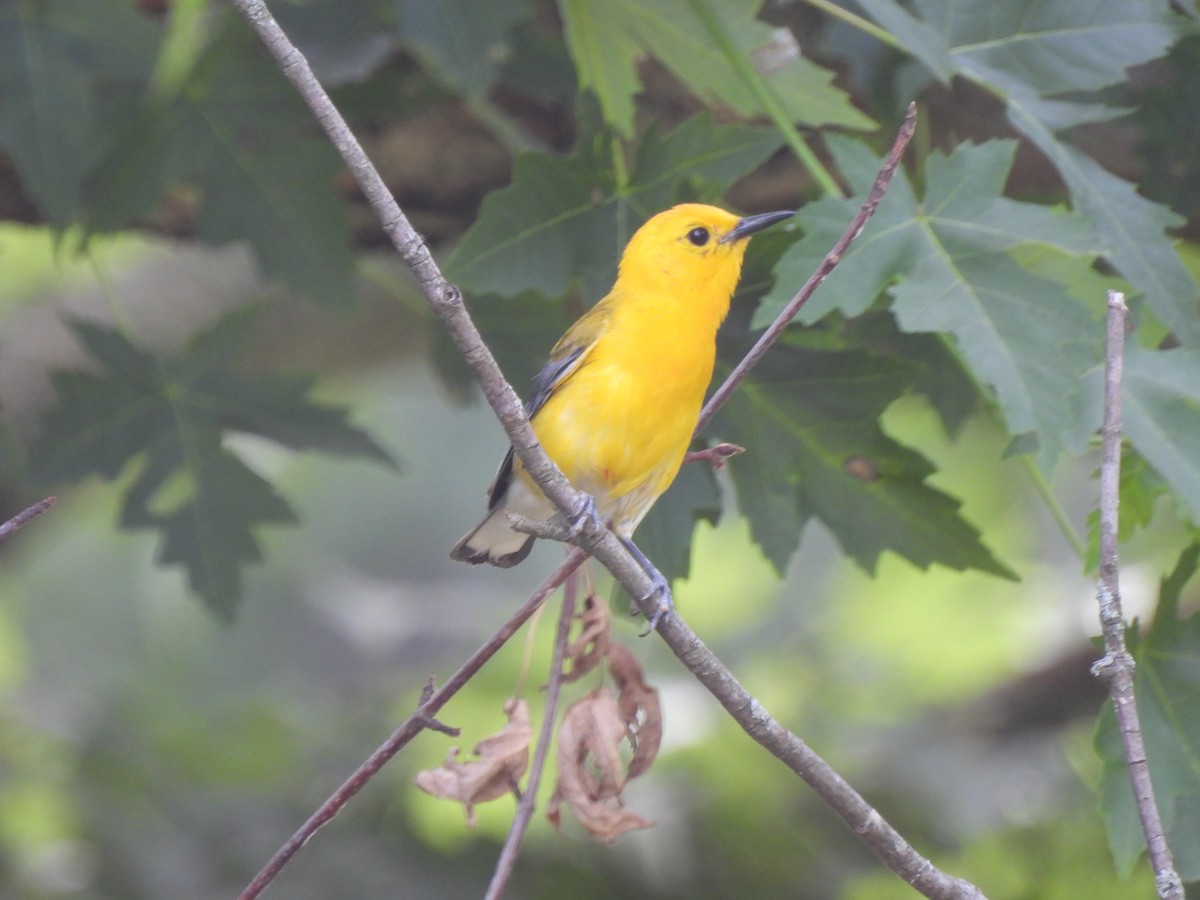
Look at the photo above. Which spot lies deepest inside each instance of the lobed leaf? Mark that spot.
(943, 260)
(809, 421)
(564, 218)
(169, 418)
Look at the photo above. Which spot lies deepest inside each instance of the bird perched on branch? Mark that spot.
(616, 404)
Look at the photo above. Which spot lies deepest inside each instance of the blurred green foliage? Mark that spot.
(927, 429)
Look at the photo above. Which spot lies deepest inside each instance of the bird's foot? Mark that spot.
(666, 604)
(584, 516)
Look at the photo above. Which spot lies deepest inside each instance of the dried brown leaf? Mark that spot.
(502, 760)
(638, 707)
(591, 646)
(592, 729)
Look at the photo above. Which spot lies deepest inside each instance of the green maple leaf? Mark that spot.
(1167, 687)
(564, 218)
(344, 41)
(61, 64)
(943, 259)
(1161, 413)
(665, 535)
(1042, 57)
(168, 419)
(237, 131)
(607, 39)
(463, 41)
(809, 422)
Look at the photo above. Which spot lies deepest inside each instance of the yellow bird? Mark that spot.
(616, 404)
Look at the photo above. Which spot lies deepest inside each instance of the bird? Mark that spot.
(618, 399)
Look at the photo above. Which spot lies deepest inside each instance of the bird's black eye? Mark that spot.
(698, 236)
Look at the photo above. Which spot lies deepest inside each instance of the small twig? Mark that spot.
(410, 728)
(17, 522)
(525, 808)
(429, 722)
(828, 264)
(716, 455)
(1117, 665)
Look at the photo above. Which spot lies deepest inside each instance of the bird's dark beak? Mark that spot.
(749, 225)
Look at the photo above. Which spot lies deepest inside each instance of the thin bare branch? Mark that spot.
(446, 302)
(410, 728)
(1117, 664)
(882, 181)
(528, 801)
(17, 522)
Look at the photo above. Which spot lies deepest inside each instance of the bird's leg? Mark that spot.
(660, 587)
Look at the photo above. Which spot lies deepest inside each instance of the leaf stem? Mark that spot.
(766, 99)
(1042, 485)
(864, 25)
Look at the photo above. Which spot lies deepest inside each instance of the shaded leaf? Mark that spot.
(342, 40)
(239, 133)
(563, 218)
(170, 417)
(1161, 413)
(463, 41)
(61, 61)
(1167, 686)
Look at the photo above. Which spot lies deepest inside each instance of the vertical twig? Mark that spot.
(525, 808)
(1116, 667)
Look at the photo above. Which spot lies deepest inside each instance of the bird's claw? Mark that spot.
(584, 515)
(666, 604)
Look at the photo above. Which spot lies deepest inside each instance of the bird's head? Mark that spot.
(691, 248)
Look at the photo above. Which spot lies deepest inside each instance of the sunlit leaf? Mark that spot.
(942, 259)
(607, 39)
(1042, 57)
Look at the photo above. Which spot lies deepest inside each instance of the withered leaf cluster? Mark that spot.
(593, 763)
(501, 761)
(591, 767)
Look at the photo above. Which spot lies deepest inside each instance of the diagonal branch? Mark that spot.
(421, 719)
(446, 302)
(882, 181)
(1117, 664)
(21, 519)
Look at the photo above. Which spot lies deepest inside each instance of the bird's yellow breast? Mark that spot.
(619, 428)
